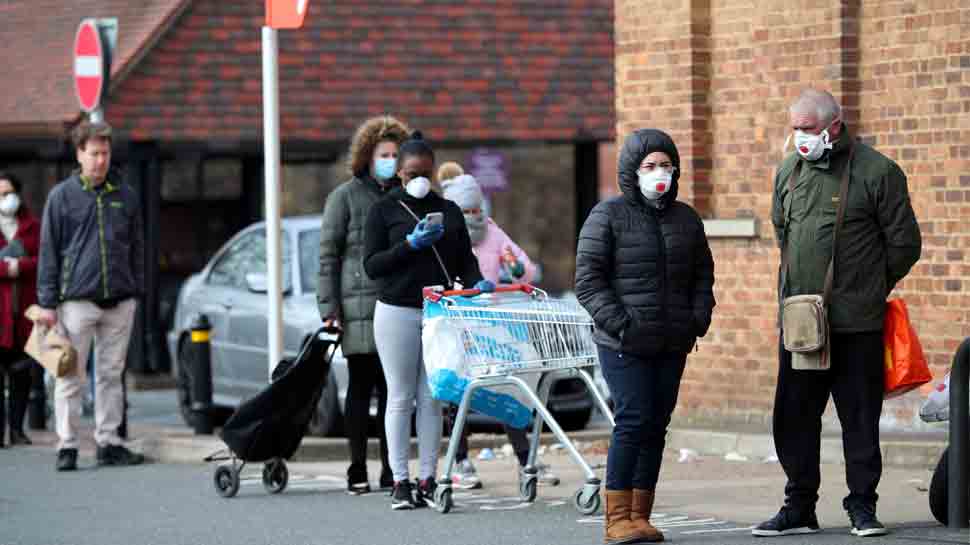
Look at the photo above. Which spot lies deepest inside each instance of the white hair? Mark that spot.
(820, 103)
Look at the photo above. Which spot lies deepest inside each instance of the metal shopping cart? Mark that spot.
(540, 337)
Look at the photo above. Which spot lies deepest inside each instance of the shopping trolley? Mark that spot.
(557, 336)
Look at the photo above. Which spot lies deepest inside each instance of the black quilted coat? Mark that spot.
(645, 272)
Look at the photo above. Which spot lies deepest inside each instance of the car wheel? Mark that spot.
(573, 420)
(939, 493)
(183, 391)
(328, 418)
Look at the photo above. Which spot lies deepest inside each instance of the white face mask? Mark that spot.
(656, 183)
(10, 204)
(418, 187)
(812, 146)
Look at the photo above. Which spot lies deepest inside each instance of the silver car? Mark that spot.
(231, 292)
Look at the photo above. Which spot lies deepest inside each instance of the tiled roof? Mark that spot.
(461, 70)
(37, 37)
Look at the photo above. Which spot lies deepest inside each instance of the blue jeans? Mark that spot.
(644, 395)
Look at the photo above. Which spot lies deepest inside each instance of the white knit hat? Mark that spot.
(464, 191)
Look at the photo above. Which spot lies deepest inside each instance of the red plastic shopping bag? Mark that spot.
(906, 367)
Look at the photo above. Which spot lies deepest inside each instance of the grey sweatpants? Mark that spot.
(397, 331)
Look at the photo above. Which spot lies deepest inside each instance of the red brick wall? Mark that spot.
(719, 76)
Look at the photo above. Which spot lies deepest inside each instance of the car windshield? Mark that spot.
(309, 259)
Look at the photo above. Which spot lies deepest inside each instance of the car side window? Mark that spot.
(309, 247)
(247, 255)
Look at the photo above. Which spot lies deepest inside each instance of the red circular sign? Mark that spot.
(88, 65)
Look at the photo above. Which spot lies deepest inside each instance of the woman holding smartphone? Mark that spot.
(413, 238)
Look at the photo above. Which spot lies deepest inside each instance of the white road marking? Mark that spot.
(719, 530)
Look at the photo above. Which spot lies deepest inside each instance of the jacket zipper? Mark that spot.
(104, 247)
(662, 261)
(65, 275)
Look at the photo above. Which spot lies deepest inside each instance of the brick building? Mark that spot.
(719, 76)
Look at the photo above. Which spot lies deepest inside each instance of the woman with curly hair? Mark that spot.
(346, 295)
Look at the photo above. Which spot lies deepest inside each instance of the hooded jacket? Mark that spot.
(645, 273)
(91, 243)
(879, 239)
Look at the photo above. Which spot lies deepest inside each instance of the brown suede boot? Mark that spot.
(619, 529)
(640, 515)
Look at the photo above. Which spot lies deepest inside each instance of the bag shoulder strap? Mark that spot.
(441, 263)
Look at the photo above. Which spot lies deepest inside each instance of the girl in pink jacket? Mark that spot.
(499, 258)
(502, 261)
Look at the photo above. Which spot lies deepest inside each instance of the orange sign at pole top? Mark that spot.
(286, 13)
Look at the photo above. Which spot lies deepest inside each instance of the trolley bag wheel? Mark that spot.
(587, 507)
(528, 488)
(275, 476)
(226, 480)
(442, 500)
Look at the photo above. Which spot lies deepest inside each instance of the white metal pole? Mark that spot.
(271, 158)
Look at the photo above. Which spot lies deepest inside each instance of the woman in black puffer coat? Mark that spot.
(644, 272)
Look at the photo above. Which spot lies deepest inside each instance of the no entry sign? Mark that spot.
(89, 65)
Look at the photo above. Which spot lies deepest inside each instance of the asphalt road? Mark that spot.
(176, 504)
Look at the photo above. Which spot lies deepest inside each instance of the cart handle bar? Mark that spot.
(435, 293)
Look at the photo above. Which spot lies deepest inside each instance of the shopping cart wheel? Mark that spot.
(275, 476)
(587, 505)
(226, 479)
(528, 488)
(442, 499)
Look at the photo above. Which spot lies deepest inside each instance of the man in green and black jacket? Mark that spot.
(90, 271)
(878, 243)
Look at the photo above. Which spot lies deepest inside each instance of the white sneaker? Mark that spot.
(546, 476)
(465, 476)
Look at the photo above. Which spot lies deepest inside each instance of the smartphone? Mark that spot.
(434, 218)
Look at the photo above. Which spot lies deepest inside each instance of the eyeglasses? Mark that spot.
(650, 167)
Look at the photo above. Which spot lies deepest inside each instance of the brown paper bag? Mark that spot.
(50, 346)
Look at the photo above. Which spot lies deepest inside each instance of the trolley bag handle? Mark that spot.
(434, 294)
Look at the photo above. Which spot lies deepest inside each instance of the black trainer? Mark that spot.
(402, 497)
(358, 489)
(67, 459)
(424, 495)
(788, 521)
(864, 521)
(118, 455)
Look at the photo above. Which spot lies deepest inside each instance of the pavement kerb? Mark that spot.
(177, 445)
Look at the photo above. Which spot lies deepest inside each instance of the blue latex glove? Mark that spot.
(485, 286)
(424, 235)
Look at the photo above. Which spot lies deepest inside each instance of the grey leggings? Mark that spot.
(397, 331)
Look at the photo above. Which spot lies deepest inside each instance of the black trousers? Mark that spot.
(15, 365)
(366, 375)
(645, 394)
(855, 382)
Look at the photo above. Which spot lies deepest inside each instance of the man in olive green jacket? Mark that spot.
(346, 295)
(878, 243)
